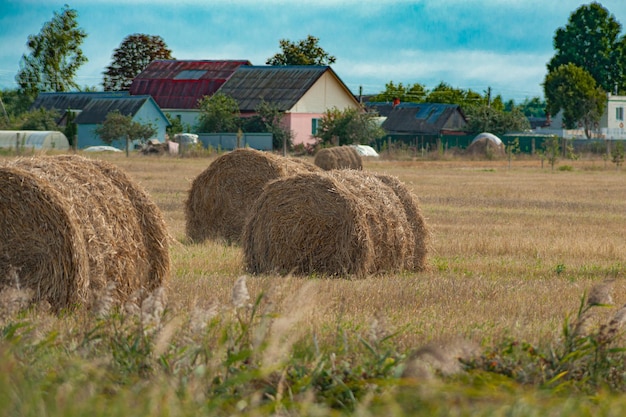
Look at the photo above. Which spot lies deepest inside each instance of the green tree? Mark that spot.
(484, 118)
(55, 56)
(591, 41)
(573, 90)
(415, 93)
(39, 119)
(117, 126)
(131, 57)
(347, 127)
(444, 93)
(219, 114)
(304, 52)
(269, 120)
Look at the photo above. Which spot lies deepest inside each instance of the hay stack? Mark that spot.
(413, 213)
(338, 223)
(485, 147)
(338, 157)
(221, 196)
(118, 227)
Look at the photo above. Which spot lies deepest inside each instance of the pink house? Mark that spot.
(303, 93)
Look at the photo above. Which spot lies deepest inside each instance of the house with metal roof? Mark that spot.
(142, 109)
(74, 102)
(302, 93)
(177, 85)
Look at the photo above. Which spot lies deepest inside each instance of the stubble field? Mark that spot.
(514, 248)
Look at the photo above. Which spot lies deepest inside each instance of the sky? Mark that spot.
(469, 44)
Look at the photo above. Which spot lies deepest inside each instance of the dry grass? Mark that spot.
(512, 250)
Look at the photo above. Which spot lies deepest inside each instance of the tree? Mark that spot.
(484, 118)
(304, 52)
(131, 57)
(347, 127)
(574, 90)
(55, 56)
(444, 93)
(40, 119)
(116, 126)
(219, 113)
(590, 40)
(415, 93)
(269, 120)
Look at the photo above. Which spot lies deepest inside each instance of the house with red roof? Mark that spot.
(302, 93)
(177, 85)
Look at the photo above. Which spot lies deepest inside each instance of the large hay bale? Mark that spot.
(123, 233)
(221, 196)
(338, 157)
(41, 242)
(342, 222)
(416, 221)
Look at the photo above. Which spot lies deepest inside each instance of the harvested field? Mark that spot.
(338, 157)
(221, 196)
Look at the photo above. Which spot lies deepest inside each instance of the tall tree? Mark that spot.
(219, 113)
(131, 57)
(444, 93)
(573, 90)
(304, 52)
(591, 41)
(55, 56)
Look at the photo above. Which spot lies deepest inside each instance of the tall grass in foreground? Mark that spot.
(516, 256)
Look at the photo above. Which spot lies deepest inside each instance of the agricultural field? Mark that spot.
(518, 313)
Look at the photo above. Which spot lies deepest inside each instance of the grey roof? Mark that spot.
(73, 101)
(282, 86)
(426, 118)
(96, 111)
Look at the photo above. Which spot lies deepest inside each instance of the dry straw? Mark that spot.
(342, 222)
(93, 231)
(338, 157)
(221, 196)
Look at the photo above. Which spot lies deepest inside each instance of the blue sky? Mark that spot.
(502, 44)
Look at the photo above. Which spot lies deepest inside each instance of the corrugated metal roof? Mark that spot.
(73, 101)
(282, 86)
(428, 118)
(179, 84)
(96, 111)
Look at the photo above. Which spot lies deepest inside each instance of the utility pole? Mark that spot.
(6, 116)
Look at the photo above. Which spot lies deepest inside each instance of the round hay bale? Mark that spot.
(338, 157)
(416, 221)
(221, 196)
(336, 223)
(41, 241)
(124, 234)
(486, 147)
(153, 227)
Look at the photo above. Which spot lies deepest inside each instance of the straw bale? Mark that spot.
(484, 147)
(416, 221)
(41, 242)
(221, 196)
(123, 232)
(339, 223)
(338, 157)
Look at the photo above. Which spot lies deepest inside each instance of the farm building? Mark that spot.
(143, 109)
(303, 93)
(177, 85)
(33, 139)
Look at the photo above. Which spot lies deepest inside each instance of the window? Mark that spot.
(619, 113)
(315, 124)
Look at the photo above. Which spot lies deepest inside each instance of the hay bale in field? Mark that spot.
(486, 147)
(341, 222)
(338, 157)
(221, 196)
(41, 243)
(123, 233)
(415, 219)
